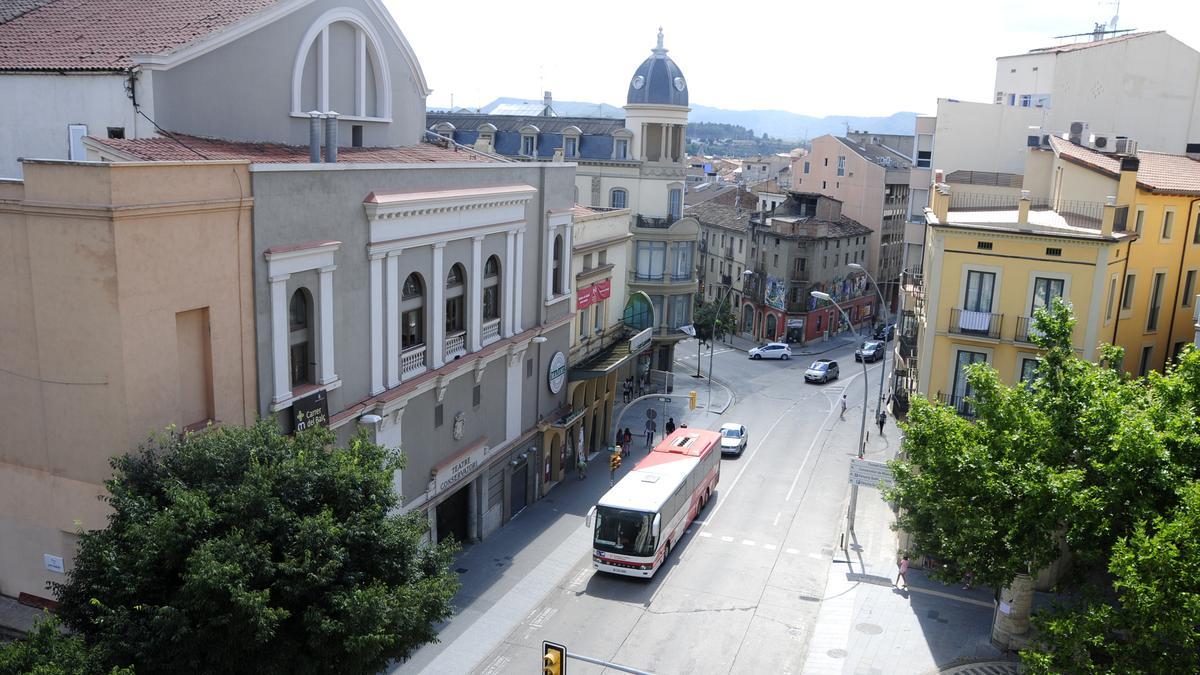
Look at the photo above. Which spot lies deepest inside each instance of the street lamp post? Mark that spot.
(712, 338)
(882, 366)
(862, 429)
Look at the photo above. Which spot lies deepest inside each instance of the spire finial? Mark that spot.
(660, 37)
(659, 51)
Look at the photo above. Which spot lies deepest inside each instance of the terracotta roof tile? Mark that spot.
(194, 148)
(104, 34)
(1157, 171)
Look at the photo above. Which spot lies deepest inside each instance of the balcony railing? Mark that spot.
(1025, 330)
(661, 277)
(801, 275)
(491, 331)
(412, 362)
(960, 403)
(655, 223)
(456, 344)
(979, 324)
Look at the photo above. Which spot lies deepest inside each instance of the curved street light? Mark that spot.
(882, 366)
(712, 338)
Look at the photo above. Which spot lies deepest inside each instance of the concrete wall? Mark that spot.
(88, 362)
(38, 108)
(983, 136)
(860, 190)
(217, 94)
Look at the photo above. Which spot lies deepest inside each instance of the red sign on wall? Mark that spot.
(603, 289)
(590, 295)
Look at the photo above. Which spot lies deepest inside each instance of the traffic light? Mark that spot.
(614, 462)
(554, 659)
(692, 400)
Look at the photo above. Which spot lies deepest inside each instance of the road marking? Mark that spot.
(497, 665)
(748, 542)
(776, 521)
(543, 616)
(579, 578)
(833, 409)
(706, 534)
(792, 551)
(726, 538)
(769, 547)
(816, 556)
(746, 464)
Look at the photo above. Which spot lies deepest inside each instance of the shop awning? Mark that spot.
(605, 362)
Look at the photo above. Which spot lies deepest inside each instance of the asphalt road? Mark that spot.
(741, 591)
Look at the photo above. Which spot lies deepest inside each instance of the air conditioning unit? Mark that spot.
(1102, 142)
(1125, 146)
(1078, 133)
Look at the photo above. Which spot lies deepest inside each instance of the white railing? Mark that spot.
(491, 331)
(412, 362)
(456, 344)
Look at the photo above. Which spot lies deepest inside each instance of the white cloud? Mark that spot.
(852, 57)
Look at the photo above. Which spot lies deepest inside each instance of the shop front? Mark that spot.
(480, 489)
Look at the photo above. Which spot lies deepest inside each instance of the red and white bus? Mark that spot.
(647, 511)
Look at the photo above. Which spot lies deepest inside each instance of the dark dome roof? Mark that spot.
(658, 80)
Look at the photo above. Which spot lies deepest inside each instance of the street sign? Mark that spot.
(651, 413)
(689, 329)
(664, 399)
(870, 474)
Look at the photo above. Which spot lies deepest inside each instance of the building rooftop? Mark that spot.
(182, 148)
(603, 126)
(877, 154)
(721, 210)
(1087, 45)
(105, 34)
(1045, 222)
(1158, 172)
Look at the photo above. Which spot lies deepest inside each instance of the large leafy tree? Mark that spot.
(1082, 454)
(47, 650)
(242, 550)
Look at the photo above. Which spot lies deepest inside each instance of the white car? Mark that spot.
(772, 350)
(733, 439)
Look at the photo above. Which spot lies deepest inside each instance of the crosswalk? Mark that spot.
(747, 542)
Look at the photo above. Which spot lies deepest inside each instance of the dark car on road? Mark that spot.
(885, 332)
(870, 351)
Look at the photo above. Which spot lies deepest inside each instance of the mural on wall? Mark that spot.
(775, 293)
(840, 289)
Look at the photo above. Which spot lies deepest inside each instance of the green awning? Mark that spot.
(604, 363)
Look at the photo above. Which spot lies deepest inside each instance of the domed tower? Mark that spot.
(656, 112)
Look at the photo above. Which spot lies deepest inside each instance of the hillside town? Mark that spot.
(303, 373)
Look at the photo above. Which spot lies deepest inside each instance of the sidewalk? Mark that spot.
(866, 625)
(505, 576)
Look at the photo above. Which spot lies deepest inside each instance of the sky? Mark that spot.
(811, 57)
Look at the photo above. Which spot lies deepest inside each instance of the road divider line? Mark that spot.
(832, 409)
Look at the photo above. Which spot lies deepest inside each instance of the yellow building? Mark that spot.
(1153, 295)
(986, 269)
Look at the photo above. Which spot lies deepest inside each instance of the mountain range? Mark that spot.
(775, 123)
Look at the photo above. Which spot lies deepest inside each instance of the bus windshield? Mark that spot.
(624, 532)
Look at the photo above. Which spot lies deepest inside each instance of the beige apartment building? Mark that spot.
(870, 176)
(126, 310)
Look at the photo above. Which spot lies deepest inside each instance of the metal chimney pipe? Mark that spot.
(331, 137)
(314, 137)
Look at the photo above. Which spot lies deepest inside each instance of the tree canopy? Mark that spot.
(242, 550)
(702, 319)
(1082, 455)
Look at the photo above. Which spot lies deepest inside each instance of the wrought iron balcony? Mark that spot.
(1025, 330)
(977, 324)
(960, 403)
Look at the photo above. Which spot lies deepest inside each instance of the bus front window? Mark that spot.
(624, 532)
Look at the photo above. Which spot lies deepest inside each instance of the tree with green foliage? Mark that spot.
(47, 650)
(1082, 454)
(241, 550)
(705, 312)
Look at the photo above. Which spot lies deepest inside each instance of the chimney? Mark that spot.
(1110, 216)
(314, 137)
(547, 105)
(331, 137)
(1023, 208)
(1127, 187)
(939, 201)
(558, 154)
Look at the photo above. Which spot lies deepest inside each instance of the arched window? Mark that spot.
(455, 300)
(558, 265)
(412, 312)
(341, 65)
(491, 289)
(618, 198)
(300, 338)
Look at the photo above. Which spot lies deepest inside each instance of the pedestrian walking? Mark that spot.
(903, 565)
(670, 426)
(581, 466)
(881, 419)
(968, 580)
(843, 405)
(627, 437)
(651, 427)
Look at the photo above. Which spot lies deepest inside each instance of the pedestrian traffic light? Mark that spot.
(692, 400)
(614, 462)
(554, 659)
